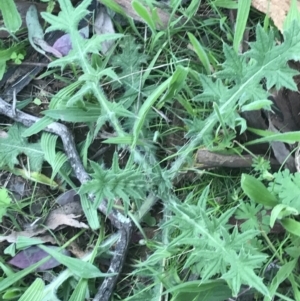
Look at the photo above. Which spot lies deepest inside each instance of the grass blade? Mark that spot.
(200, 52)
(241, 21)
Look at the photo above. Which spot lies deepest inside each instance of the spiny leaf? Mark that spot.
(15, 144)
(110, 184)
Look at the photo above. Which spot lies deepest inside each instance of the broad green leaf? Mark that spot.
(197, 47)
(241, 22)
(291, 226)
(214, 290)
(257, 191)
(10, 14)
(34, 291)
(280, 211)
(76, 266)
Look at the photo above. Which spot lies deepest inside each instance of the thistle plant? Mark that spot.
(243, 84)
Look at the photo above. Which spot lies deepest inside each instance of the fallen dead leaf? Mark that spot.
(57, 219)
(276, 9)
(13, 237)
(34, 254)
(60, 219)
(104, 25)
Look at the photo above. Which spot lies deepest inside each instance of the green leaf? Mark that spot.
(293, 14)
(257, 105)
(216, 250)
(5, 54)
(197, 47)
(15, 144)
(283, 273)
(74, 114)
(11, 16)
(287, 187)
(129, 184)
(80, 291)
(55, 159)
(126, 140)
(214, 290)
(230, 4)
(280, 211)
(241, 21)
(68, 18)
(114, 6)
(269, 136)
(34, 291)
(12, 293)
(257, 192)
(5, 201)
(291, 226)
(90, 212)
(254, 217)
(37, 127)
(144, 13)
(145, 108)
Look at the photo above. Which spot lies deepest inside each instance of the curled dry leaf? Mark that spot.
(36, 33)
(57, 220)
(33, 255)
